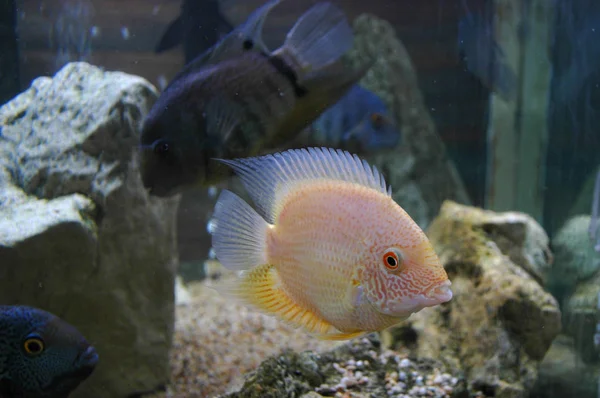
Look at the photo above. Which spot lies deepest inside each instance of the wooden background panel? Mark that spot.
(427, 29)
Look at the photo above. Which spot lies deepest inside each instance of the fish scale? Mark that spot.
(328, 245)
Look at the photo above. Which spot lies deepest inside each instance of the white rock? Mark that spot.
(182, 295)
(79, 235)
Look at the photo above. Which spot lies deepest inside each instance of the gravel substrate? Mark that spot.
(359, 369)
(218, 340)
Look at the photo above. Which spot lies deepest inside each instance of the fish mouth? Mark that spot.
(84, 366)
(438, 294)
(89, 358)
(441, 292)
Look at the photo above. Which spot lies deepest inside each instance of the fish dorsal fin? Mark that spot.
(269, 178)
(232, 44)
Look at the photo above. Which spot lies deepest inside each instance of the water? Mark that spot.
(497, 102)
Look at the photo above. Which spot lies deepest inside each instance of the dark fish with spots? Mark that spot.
(41, 356)
(239, 99)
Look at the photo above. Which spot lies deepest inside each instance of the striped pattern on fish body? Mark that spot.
(256, 95)
(327, 249)
(241, 100)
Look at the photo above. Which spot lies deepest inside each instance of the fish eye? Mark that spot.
(161, 147)
(392, 259)
(377, 119)
(248, 44)
(33, 346)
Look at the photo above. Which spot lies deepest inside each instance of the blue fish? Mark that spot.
(483, 56)
(359, 122)
(41, 356)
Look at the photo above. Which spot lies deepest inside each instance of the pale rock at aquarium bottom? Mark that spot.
(79, 235)
(500, 322)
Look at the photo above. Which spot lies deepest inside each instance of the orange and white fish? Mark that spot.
(330, 251)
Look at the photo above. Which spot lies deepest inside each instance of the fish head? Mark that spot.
(171, 150)
(405, 275)
(47, 356)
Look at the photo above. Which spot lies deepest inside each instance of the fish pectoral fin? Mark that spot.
(239, 233)
(222, 117)
(260, 287)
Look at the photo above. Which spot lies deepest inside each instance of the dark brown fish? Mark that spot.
(239, 99)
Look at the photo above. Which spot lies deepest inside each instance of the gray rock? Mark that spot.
(79, 236)
(575, 258)
(358, 368)
(575, 281)
(563, 375)
(582, 319)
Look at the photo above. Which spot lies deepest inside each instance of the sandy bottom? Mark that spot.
(217, 340)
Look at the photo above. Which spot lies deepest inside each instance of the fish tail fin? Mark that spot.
(239, 233)
(320, 37)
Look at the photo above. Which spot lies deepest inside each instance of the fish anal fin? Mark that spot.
(340, 336)
(261, 288)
